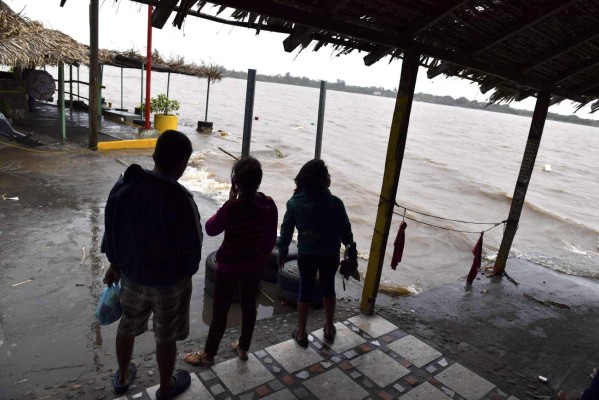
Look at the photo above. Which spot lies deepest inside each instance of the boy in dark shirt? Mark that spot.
(153, 240)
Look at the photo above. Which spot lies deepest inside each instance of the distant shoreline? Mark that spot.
(463, 102)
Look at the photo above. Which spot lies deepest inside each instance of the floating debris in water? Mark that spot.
(22, 283)
(9, 198)
(547, 168)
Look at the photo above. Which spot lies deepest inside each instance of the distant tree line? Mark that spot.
(340, 85)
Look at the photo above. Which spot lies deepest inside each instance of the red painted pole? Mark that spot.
(149, 68)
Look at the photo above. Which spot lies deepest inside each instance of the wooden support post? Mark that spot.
(395, 153)
(320, 124)
(63, 124)
(93, 74)
(249, 113)
(528, 162)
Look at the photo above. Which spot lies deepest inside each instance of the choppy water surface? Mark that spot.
(459, 163)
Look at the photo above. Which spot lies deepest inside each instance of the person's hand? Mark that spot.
(233, 192)
(112, 275)
(281, 262)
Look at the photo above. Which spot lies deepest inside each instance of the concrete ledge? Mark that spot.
(128, 144)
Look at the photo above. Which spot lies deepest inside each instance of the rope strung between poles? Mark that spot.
(451, 229)
(447, 219)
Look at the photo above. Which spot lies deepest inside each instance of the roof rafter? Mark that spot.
(519, 26)
(439, 12)
(558, 51)
(590, 63)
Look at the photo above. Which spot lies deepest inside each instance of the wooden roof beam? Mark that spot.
(376, 54)
(162, 12)
(301, 35)
(519, 26)
(558, 51)
(590, 63)
(439, 12)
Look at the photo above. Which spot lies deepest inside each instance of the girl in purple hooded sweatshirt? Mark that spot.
(249, 221)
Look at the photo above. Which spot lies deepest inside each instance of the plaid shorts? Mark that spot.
(170, 306)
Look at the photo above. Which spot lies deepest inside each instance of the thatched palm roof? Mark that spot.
(176, 65)
(26, 43)
(514, 47)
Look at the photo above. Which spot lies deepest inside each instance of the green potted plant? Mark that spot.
(163, 109)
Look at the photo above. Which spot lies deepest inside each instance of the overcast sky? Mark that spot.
(123, 25)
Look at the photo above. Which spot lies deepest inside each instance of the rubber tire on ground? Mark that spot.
(288, 284)
(271, 270)
(210, 272)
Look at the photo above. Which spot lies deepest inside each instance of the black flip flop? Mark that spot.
(331, 336)
(303, 342)
(182, 382)
(120, 389)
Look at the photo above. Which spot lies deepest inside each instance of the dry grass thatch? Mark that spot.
(25, 43)
(176, 65)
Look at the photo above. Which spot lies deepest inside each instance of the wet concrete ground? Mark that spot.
(50, 341)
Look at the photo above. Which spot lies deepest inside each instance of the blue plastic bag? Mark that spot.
(109, 307)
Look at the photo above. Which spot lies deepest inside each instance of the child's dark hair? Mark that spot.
(247, 175)
(172, 147)
(312, 177)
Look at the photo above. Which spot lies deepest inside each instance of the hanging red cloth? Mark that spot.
(477, 250)
(398, 245)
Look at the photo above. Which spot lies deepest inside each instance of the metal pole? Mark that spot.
(93, 74)
(208, 98)
(71, 88)
(63, 124)
(141, 96)
(121, 88)
(528, 162)
(249, 112)
(395, 153)
(319, 126)
(149, 72)
(168, 83)
(78, 96)
(100, 78)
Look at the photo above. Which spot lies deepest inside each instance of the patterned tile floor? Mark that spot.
(370, 359)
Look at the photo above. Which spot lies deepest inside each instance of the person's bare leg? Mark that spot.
(302, 318)
(165, 356)
(124, 351)
(329, 312)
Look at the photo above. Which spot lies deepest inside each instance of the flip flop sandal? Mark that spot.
(182, 382)
(303, 342)
(331, 336)
(120, 389)
(195, 358)
(241, 353)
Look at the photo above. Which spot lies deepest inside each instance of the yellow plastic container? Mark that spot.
(164, 122)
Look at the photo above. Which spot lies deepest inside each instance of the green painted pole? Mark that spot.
(71, 89)
(63, 123)
(539, 117)
(393, 161)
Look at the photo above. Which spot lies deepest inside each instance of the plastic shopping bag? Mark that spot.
(109, 307)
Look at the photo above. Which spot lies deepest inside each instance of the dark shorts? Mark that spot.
(170, 306)
(325, 266)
